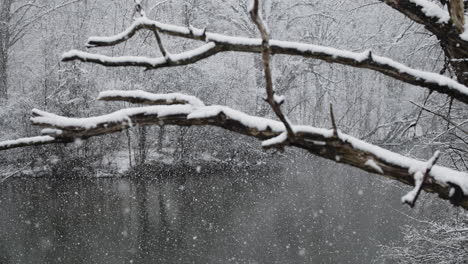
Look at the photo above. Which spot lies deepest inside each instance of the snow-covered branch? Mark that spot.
(447, 183)
(28, 141)
(223, 43)
(171, 60)
(142, 97)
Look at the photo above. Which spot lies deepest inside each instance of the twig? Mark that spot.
(332, 117)
(160, 45)
(419, 178)
(442, 116)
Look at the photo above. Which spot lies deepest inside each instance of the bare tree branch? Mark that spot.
(442, 116)
(271, 96)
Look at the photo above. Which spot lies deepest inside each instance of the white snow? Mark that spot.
(464, 35)
(27, 140)
(441, 174)
(371, 163)
(279, 99)
(411, 195)
(429, 77)
(335, 53)
(122, 59)
(115, 117)
(275, 140)
(247, 120)
(139, 22)
(51, 131)
(139, 60)
(433, 10)
(430, 9)
(139, 94)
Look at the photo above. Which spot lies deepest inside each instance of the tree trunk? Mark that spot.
(4, 46)
(3, 75)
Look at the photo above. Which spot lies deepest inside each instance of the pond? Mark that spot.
(306, 212)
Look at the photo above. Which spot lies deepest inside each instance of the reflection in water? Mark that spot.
(313, 214)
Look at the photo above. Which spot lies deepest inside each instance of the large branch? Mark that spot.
(430, 15)
(447, 183)
(448, 27)
(222, 43)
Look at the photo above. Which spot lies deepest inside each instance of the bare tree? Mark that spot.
(16, 17)
(184, 110)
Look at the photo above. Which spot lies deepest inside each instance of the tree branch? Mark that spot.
(142, 97)
(223, 43)
(447, 183)
(271, 97)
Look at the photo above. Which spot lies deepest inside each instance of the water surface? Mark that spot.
(310, 212)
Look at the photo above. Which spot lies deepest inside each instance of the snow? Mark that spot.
(139, 94)
(28, 140)
(371, 163)
(441, 174)
(121, 116)
(429, 77)
(335, 53)
(247, 120)
(51, 131)
(139, 22)
(122, 59)
(138, 60)
(432, 10)
(279, 99)
(281, 138)
(411, 195)
(464, 35)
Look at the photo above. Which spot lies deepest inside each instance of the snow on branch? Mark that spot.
(223, 43)
(28, 141)
(420, 175)
(142, 97)
(170, 60)
(447, 183)
(432, 10)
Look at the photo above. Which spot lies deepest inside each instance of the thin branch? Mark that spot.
(448, 130)
(160, 45)
(439, 115)
(332, 117)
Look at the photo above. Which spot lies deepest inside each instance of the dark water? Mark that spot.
(318, 213)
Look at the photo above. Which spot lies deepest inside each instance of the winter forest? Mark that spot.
(233, 131)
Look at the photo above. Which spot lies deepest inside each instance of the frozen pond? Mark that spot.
(317, 213)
